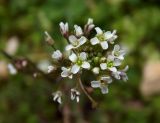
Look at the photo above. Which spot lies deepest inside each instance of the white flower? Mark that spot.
(75, 43)
(66, 72)
(64, 28)
(111, 36)
(79, 62)
(118, 53)
(12, 69)
(100, 38)
(57, 55)
(75, 94)
(102, 84)
(78, 30)
(110, 64)
(57, 96)
(121, 74)
(95, 70)
(51, 68)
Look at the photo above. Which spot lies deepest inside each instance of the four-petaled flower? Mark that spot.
(121, 74)
(111, 36)
(66, 72)
(101, 38)
(79, 61)
(110, 64)
(75, 43)
(102, 84)
(57, 55)
(75, 94)
(118, 53)
(57, 96)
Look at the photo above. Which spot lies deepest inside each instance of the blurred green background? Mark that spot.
(24, 99)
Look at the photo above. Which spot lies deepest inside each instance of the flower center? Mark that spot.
(103, 83)
(79, 62)
(110, 64)
(100, 37)
(75, 43)
(116, 53)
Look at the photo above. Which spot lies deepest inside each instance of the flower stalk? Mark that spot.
(94, 103)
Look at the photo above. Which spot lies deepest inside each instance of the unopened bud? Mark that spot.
(48, 38)
(64, 29)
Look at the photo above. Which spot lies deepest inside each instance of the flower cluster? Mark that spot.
(90, 49)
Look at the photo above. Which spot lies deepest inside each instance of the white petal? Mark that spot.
(104, 45)
(12, 69)
(64, 69)
(98, 30)
(66, 27)
(125, 78)
(55, 96)
(90, 21)
(50, 68)
(103, 66)
(110, 58)
(113, 69)
(78, 30)
(85, 65)
(107, 79)
(95, 70)
(72, 39)
(95, 84)
(70, 76)
(121, 57)
(83, 56)
(116, 75)
(77, 98)
(114, 32)
(108, 35)
(116, 48)
(94, 41)
(59, 100)
(82, 40)
(62, 26)
(57, 55)
(64, 73)
(104, 89)
(69, 47)
(117, 62)
(122, 52)
(73, 57)
(90, 27)
(72, 95)
(126, 68)
(75, 68)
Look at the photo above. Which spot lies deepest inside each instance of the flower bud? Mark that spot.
(64, 29)
(48, 38)
(57, 55)
(95, 70)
